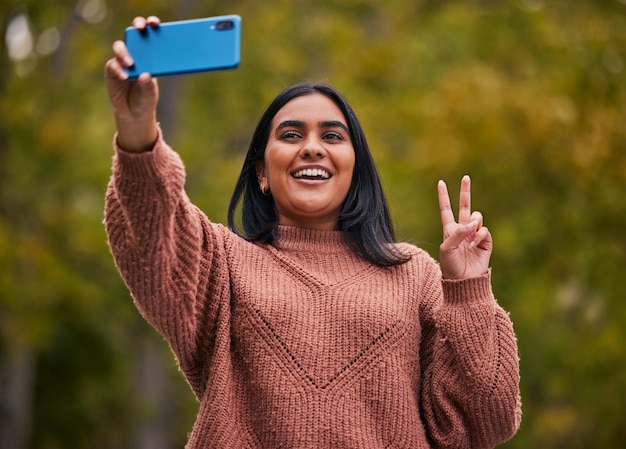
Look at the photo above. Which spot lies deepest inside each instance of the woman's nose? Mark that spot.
(312, 148)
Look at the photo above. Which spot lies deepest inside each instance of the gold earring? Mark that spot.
(264, 188)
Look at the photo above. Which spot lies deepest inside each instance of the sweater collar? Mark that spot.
(306, 239)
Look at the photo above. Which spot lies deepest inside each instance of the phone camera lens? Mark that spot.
(225, 25)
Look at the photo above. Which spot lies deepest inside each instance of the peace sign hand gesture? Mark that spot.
(467, 245)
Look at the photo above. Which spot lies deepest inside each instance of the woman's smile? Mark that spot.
(312, 173)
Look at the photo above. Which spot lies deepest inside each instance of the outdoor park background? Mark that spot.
(527, 96)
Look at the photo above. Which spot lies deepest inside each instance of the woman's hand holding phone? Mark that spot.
(134, 102)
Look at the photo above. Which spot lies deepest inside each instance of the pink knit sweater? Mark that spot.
(303, 344)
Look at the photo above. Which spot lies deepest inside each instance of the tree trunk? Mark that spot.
(155, 420)
(16, 396)
(17, 370)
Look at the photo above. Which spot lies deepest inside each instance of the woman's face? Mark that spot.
(308, 164)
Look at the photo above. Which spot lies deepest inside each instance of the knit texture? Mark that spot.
(303, 344)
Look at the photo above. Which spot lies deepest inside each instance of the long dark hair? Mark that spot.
(364, 214)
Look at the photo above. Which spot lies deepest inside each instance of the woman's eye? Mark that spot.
(290, 135)
(333, 136)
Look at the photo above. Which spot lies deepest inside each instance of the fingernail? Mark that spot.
(472, 224)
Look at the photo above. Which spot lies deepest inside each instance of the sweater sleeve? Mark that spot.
(168, 253)
(470, 366)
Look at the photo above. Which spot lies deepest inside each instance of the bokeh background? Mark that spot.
(527, 96)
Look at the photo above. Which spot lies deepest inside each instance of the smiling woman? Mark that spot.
(311, 327)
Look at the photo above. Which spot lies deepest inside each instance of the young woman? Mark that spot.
(309, 327)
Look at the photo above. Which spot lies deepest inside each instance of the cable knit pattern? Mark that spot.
(303, 344)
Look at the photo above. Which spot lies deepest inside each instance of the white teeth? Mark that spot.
(312, 173)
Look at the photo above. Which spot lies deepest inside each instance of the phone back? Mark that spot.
(186, 46)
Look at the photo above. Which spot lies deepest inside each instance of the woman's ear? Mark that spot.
(260, 171)
(262, 177)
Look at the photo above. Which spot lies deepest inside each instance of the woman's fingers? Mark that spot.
(482, 239)
(467, 244)
(458, 235)
(153, 21)
(114, 70)
(470, 225)
(465, 204)
(447, 216)
(465, 200)
(114, 67)
(141, 23)
(479, 232)
(122, 54)
(478, 218)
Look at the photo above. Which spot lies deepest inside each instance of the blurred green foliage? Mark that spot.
(527, 96)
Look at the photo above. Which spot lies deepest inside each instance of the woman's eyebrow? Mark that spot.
(334, 124)
(290, 124)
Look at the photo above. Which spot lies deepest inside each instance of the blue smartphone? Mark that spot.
(186, 46)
